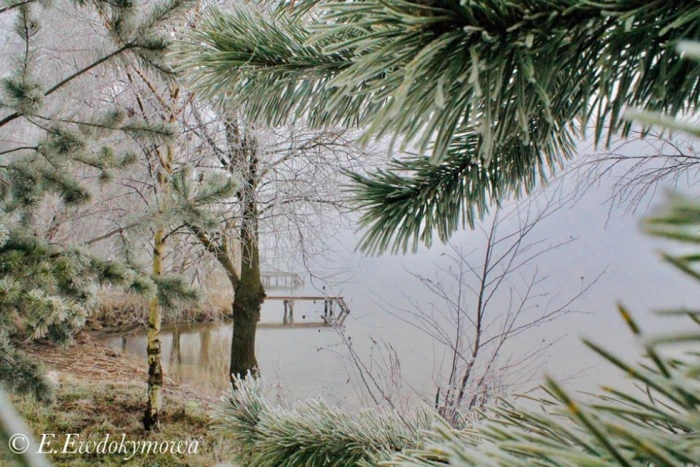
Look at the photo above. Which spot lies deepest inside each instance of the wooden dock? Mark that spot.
(335, 310)
(281, 280)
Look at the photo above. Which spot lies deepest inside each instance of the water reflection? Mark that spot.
(198, 354)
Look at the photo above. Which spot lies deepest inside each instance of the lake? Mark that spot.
(313, 360)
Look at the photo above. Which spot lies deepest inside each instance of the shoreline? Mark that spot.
(100, 392)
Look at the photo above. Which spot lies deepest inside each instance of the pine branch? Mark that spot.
(490, 83)
(47, 291)
(172, 291)
(19, 148)
(251, 54)
(314, 434)
(655, 426)
(413, 199)
(21, 375)
(13, 116)
(84, 70)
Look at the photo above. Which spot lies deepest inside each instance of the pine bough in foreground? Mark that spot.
(312, 434)
(657, 424)
(493, 95)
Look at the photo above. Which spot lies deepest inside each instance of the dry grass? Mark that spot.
(121, 310)
(92, 410)
(103, 392)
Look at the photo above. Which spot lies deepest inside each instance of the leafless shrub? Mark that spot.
(637, 167)
(478, 304)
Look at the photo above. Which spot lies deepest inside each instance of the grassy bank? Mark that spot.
(102, 393)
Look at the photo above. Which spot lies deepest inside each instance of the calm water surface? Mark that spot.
(310, 360)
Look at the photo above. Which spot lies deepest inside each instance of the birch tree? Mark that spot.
(167, 203)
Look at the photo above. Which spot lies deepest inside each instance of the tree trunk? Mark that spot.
(248, 299)
(155, 370)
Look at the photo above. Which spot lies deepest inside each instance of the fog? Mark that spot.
(301, 362)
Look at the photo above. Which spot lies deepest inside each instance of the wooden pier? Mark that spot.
(335, 310)
(281, 280)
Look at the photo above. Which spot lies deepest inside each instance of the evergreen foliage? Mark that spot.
(47, 290)
(313, 434)
(496, 91)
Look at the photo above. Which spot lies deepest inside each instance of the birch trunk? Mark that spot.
(155, 370)
(151, 419)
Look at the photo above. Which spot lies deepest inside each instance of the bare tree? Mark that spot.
(288, 189)
(479, 304)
